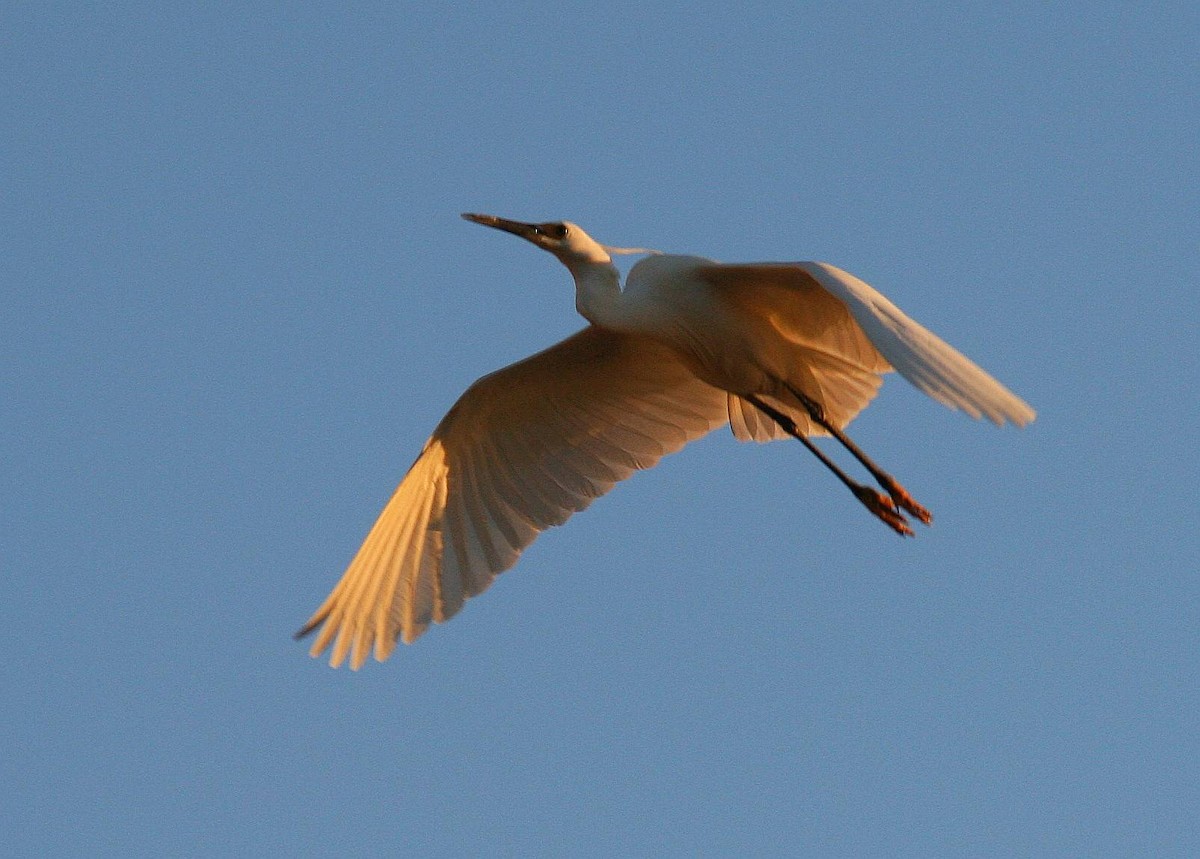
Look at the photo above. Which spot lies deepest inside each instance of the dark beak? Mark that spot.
(525, 231)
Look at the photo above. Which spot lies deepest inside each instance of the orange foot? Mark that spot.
(906, 502)
(884, 508)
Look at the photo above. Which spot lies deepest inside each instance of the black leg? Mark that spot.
(879, 504)
(890, 485)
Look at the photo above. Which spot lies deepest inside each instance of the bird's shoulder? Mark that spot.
(661, 269)
(669, 269)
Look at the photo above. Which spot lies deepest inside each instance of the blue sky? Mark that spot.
(238, 297)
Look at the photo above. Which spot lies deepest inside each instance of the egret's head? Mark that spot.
(563, 239)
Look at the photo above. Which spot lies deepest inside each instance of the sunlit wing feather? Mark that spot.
(933, 366)
(522, 449)
(818, 346)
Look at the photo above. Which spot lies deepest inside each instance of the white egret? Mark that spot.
(772, 349)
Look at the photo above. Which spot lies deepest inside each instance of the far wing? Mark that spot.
(522, 449)
(933, 366)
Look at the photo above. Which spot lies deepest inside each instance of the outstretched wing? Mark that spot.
(933, 366)
(522, 449)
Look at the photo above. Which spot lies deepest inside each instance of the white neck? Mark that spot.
(598, 296)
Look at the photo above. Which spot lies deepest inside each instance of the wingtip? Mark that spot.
(306, 630)
(1020, 416)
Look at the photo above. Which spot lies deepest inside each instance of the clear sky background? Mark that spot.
(237, 297)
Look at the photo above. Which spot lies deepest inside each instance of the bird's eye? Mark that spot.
(558, 232)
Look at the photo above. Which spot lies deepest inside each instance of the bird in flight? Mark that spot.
(774, 350)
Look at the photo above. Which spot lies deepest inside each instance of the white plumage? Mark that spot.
(773, 349)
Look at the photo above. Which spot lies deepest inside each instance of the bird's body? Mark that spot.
(689, 344)
(758, 330)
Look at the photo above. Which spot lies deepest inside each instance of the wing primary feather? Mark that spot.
(410, 560)
(443, 562)
(520, 451)
(404, 564)
(339, 619)
(364, 574)
(932, 365)
(396, 543)
(409, 563)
